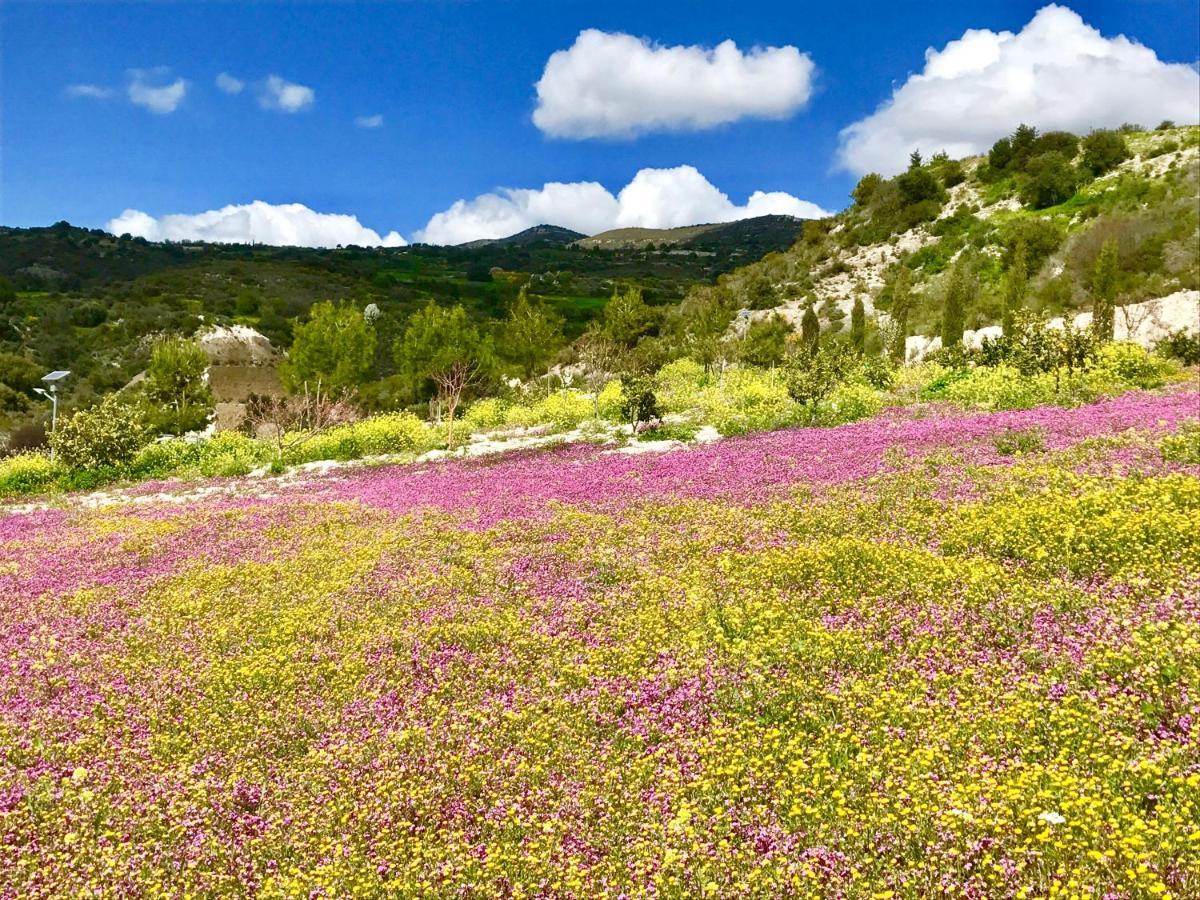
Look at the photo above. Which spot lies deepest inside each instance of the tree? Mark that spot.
(810, 329)
(757, 291)
(529, 336)
(1105, 273)
(865, 189)
(627, 318)
(702, 319)
(176, 385)
(901, 307)
(336, 347)
(961, 287)
(291, 421)
(858, 325)
(1016, 286)
(765, 342)
(7, 293)
(1103, 150)
(442, 347)
(1050, 180)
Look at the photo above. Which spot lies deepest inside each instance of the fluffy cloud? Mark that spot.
(655, 198)
(617, 85)
(90, 91)
(228, 84)
(1057, 73)
(285, 225)
(375, 121)
(285, 96)
(145, 90)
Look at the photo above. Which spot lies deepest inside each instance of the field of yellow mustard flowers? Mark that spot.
(925, 655)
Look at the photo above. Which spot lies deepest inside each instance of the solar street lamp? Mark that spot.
(52, 381)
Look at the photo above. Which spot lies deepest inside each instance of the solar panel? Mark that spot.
(56, 375)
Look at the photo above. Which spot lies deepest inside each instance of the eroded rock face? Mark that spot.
(237, 345)
(1143, 323)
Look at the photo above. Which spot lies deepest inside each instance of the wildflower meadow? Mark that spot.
(929, 654)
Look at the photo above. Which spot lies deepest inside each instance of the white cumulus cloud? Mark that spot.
(285, 96)
(1058, 72)
(229, 84)
(90, 91)
(617, 85)
(147, 88)
(655, 198)
(284, 225)
(375, 121)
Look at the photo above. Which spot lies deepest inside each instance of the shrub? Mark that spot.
(669, 431)
(745, 400)
(609, 400)
(1129, 364)
(26, 473)
(678, 385)
(638, 403)
(1051, 180)
(1020, 441)
(391, 433)
(1183, 446)
(30, 436)
(995, 388)
(486, 414)
(563, 409)
(520, 416)
(1181, 346)
(229, 453)
(848, 403)
(163, 458)
(108, 435)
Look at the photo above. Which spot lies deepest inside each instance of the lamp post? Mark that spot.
(52, 395)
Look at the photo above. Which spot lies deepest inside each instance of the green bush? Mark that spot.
(564, 409)
(1183, 446)
(1181, 346)
(1127, 364)
(27, 473)
(746, 400)
(391, 433)
(848, 403)
(1020, 441)
(996, 388)
(520, 416)
(678, 385)
(229, 453)
(485, 415)
(108, 435)
(163, 458)
(610, 399)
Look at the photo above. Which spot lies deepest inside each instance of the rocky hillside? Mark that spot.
(1149, 203)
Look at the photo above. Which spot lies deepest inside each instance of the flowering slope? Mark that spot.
(879, 660)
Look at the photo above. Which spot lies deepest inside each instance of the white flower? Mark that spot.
(1052, 818)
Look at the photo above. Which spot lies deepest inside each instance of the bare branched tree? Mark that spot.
(451, 382)
(290, 421)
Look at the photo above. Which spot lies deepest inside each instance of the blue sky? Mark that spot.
(454, 85)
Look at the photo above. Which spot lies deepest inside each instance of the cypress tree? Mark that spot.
(960, 291)
(1104, 290)
(901, 306)
(858, 325)
(810, 329)
(1016, 285)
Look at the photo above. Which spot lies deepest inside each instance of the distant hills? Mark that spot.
(550, 234)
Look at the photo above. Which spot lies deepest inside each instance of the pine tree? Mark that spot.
(1104, 290)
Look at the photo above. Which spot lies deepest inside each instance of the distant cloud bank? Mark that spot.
(617, 85)
(1058, 72)
(655, 198)
(284, 225)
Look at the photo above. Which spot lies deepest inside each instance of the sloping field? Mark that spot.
(889, 659)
